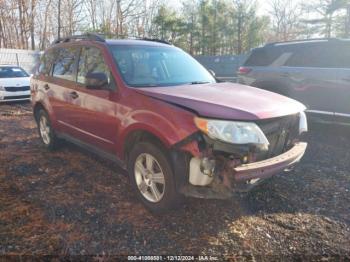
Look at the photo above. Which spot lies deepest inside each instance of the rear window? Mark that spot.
(46, 61)
(263, 56)
(65, 63)
(12, 72)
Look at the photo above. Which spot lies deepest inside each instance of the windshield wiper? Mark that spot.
(144, 85)
(199, 82)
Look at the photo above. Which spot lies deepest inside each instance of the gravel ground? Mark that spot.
(70, 202)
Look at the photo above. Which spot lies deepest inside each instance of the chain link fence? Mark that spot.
(26, 59)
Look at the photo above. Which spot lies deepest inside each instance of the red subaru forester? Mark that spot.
(157, 112)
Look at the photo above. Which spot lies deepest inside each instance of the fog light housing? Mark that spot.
(207, 166)
(197, 177)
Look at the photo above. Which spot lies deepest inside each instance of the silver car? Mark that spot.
(316, 72)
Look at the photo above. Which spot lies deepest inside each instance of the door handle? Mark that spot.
(46, 87)
(74, 95)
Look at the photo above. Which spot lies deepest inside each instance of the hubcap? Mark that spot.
(149, 178)
(44, 130)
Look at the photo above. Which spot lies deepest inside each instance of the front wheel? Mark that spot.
(46, 132)
(152, 177)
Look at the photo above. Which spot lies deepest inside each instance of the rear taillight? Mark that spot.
(244, 70)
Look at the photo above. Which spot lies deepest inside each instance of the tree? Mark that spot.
(213, 27)
(248, 26)
(326, 11)
(285, 20)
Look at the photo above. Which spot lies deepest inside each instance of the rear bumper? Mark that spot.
(271, 166)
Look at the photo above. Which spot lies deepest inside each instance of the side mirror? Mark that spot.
(96, 80)
(212, 72)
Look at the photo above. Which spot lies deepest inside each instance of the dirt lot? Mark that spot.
(69, 202)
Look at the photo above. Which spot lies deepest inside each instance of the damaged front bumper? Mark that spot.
(218, 169)
(229, 176)
(270, 167)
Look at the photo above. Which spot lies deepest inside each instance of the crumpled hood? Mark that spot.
(227, 101)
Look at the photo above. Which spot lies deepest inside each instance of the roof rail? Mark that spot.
(302, 40)
(87, 36)
(151, 39)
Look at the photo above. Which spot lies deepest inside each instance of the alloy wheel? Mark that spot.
(149, 177)
(44, 129)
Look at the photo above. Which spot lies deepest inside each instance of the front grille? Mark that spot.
(16, 88)
(280, 132)
(16, 97)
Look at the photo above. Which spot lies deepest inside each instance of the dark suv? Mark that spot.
(315, 72)
(157, 112)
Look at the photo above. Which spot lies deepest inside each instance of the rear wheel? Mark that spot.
(46, 132)
(152, 177)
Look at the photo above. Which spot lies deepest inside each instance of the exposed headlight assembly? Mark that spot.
(233, 132)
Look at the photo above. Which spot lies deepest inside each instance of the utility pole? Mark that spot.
(59, 20)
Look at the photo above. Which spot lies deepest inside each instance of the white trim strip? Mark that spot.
(85, 132)
(328, 113)
(342, 114)
(320, 112)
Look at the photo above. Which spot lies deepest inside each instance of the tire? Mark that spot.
(46, 132)
(146, 180)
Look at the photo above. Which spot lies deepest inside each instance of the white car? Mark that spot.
(14, 84)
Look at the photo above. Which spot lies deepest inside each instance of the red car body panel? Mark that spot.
(227, 101)
(169, 123)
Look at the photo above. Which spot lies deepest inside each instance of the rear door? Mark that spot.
(91, 112)
(51, 83)
(311, 78)
(61, 84)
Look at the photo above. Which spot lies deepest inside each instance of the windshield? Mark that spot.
(12, 72)
(145, 66)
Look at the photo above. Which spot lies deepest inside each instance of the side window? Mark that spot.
(316, 56)
(46, 61)
(91, 61)
(296, 60)
(64, 66)
(340, 55)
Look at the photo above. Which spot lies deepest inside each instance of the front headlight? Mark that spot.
(2, 88)
(233, 132)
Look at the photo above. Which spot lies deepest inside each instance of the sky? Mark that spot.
(263, 5)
